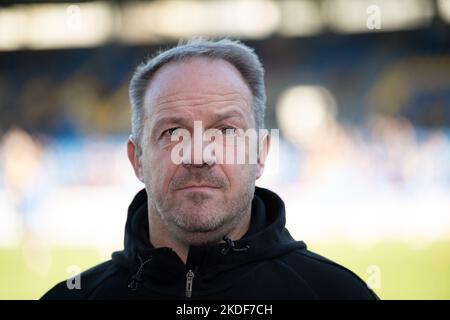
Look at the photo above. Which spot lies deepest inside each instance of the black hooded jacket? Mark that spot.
(266, 263)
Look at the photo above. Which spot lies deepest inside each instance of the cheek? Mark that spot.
(239, 175)
(159, 168)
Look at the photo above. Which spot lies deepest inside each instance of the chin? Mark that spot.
(195, 224)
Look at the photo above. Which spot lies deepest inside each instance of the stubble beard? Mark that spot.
(200, 218)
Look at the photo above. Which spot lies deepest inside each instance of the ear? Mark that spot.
(264, 145)
(134, 155)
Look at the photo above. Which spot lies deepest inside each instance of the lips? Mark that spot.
(199, 188)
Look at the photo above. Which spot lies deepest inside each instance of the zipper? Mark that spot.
(189, 279)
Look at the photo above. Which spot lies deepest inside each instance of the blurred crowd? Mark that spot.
(364, 150)
(385, 180)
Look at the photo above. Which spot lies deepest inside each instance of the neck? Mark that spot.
(160, 236)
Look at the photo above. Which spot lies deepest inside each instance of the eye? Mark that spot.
(169, 132)
(228, 130)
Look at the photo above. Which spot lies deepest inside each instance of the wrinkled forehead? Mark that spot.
(197, 81)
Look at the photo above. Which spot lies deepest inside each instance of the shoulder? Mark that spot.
(328, 279)
(83, 285)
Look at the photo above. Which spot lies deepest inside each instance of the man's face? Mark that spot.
(197, 203)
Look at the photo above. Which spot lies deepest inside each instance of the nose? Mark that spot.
(198, 156)
(207, 159)
(191, 165)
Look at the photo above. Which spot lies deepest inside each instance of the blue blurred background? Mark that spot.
(360, 91)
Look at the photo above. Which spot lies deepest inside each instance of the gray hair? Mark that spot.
(242, 57)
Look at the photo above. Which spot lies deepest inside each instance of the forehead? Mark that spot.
(197, 81)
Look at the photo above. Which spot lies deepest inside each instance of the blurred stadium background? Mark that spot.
(363, 106)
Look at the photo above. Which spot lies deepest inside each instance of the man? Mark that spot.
(201, 229)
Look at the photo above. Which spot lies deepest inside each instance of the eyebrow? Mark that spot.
(228, 114)
(182, 120)
(168, 119)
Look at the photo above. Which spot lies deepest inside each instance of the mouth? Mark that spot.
(202, 188)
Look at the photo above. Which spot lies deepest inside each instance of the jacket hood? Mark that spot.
(266, 238)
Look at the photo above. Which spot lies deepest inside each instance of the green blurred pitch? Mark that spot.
(406, 272)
